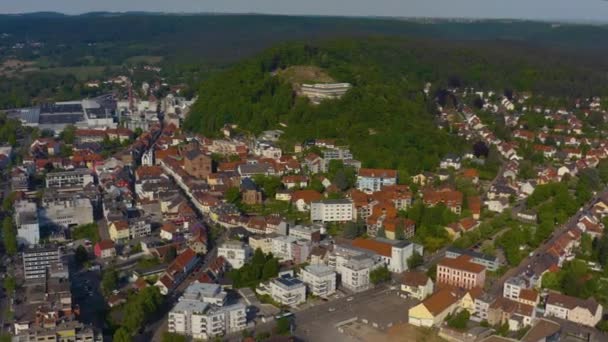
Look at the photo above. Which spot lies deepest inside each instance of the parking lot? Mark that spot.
(379, 308)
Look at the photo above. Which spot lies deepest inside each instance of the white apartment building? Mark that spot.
(513, 286)
(309, 233)
(319, 279)
(354, 274)
(36, 261)
(336, 210)
(26, 221)
(282, 247)
(75, 212)
(139, 227)
(236, 253)
(288, 290)
(78, 178)
(263, 242)
(201, 313)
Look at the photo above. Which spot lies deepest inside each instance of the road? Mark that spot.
(529, 261)
(155, 329)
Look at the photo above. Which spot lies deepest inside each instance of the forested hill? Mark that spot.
(384, 117)
(109, 38)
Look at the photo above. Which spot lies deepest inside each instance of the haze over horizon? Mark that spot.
(569, 10)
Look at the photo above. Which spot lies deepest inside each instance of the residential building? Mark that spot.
(585, 312)
(513, 286)
(26, 221)
(119, 230)
(70, 330)
(69, 180)
(320, 280)
(288, 290)
(372, 180)
(197, 164)
(491, 263)
(517, 315)
(105, 249)
(416, 285)
(263, 242)
(236, 253)
(337, 210)
(460, 272)
(433, 310)
(308, 233)
(394, 254)
(354, 273)
(450, 198)
(201, 314)
(37, 261)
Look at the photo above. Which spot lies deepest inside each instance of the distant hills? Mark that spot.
(227, 38)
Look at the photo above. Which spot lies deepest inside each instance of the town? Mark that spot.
(120, 225)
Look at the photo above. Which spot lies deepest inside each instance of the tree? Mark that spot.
(283, 326)
(171, 255)
(81, 255)
(9, 236)
(353, 230)
(480, 149)
(5, 337)
(233, 195)
(415, 261)
(173, 337)
(109, 281)
(10, 285)
(122, 335)
(379, 275)
(68, 134)
(459, 321)
(271, 269)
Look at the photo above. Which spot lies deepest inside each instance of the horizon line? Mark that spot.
(377, 17)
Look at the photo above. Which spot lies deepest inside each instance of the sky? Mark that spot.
(573, 10)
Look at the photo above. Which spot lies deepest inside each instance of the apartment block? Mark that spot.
(288, 290)
(201, 313)
(337, 210)
(69, 180)
(460, 272)
(319, 279)
(37, 261)
(372, 180)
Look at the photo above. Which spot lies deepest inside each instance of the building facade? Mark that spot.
(235, 253)
(338, 210)
(372, 180)
(319, 279)
(460, 272)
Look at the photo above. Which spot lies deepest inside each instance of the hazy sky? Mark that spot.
(596, 10)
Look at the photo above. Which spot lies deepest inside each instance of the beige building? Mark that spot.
(586, 312)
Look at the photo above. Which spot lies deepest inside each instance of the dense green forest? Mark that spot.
(109, 39)
(385, 117)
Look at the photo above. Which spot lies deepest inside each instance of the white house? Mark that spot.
(585, 312)
(236, 253)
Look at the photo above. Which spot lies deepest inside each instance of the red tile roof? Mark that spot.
(375, 246)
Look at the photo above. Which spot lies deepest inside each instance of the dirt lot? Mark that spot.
(400, 333)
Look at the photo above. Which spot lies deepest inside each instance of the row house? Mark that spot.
(452, 199)
(585, 312)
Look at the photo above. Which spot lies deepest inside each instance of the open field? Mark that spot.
(144, 59)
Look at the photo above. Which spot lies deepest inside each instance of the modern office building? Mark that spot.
(37, 261)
